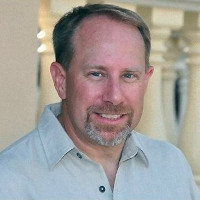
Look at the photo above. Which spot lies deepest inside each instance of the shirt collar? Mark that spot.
(55, 141)
(134, 148)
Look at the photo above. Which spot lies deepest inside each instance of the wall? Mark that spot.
(18, 68)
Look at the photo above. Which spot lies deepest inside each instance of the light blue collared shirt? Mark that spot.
(46, 165)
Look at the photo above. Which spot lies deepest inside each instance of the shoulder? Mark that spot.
(165, 157)
(161, 152)
(18, 157)
(16, 165)
(166, 161)
(153, 144)
(18, 146)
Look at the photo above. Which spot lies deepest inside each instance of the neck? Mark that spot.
(107, 157)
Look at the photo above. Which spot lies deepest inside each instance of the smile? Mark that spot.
(110, 116)
(114, 119)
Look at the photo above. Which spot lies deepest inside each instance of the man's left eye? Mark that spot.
(97, 74)
(128, 76)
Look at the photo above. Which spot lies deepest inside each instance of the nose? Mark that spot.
(113, 92)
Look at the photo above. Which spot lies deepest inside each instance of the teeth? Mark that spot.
(107, 116)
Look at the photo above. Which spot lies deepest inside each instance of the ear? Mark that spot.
(59, 78)
(149, 73)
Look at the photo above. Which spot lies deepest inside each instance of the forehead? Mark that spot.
(105, 41)
(102, 28)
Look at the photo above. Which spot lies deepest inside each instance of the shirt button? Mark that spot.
(102, 189)
(79, 155)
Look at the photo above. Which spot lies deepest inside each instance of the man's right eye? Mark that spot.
(96, 75)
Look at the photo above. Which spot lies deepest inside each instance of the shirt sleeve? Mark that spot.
(194, 190)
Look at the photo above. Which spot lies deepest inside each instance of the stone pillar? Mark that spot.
(190, 137)
(60, 7)
(168, 90)
(182, 82)
(161, 22)
(18, 68)
(126, 5)
(47, 92)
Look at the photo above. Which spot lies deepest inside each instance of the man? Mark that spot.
(85, 148)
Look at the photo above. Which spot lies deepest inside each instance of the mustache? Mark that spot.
(110, 109)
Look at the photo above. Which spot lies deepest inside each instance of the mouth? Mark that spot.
(110, 116)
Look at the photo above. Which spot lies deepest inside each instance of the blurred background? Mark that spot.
(172, 102)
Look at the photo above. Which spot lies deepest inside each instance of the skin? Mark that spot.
(104, 87)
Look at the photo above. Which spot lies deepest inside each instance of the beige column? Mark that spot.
(183, 93)
(126, 5)
(182, 82)
(18, 68)
(152, 122)
(161, 21)
(190, 137)
(60, 7)
(168, 89)
(47, 93)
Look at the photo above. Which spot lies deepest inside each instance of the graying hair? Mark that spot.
(65, 28)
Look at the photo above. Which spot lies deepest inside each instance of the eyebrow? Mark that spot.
(101, 67)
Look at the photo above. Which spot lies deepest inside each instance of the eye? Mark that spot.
(130, 76)
(96, 74)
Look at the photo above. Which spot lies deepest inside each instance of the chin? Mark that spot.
(107, 138)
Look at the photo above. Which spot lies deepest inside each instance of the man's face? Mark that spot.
(106, 82)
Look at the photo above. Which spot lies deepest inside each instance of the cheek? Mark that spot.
(136, 93)
(135, 99)
(82, 96)
(87, 93)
